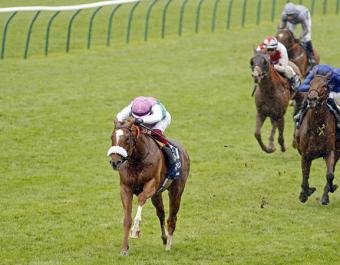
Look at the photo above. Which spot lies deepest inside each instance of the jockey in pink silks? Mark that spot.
(151, 113)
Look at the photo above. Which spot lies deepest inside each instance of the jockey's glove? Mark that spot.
(138, 121)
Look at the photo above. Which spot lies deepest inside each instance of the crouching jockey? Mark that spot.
(291, 16)
(150, 112)
(333, 86)
(279, 58)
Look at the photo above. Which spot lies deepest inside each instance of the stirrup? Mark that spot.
(166, 184)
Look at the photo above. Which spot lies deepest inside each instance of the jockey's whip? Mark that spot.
(252, 94)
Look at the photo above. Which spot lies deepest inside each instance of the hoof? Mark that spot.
(325, 200)
(124, 253)
(135, 234)
(334, 187)
(283, 149)
(270, 150)
(164, 239)
(168, 243)
(303, 197)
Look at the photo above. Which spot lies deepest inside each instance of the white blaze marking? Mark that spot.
(280, 35)
(119, 133)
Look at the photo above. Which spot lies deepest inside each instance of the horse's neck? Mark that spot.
(273, 80)
(318, 116)
(144, 145)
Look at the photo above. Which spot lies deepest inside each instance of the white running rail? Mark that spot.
(65, 8)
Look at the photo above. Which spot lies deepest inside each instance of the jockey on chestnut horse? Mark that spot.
(279, 58)
(301, 51)
(148, 164)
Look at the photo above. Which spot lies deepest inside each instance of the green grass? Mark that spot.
(60, 200)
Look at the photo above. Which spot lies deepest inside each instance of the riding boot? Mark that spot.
(310, 53)
(299, 116)
(173, 168)
(335, 110)
(295, 82)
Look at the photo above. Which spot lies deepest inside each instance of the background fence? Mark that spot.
(43, 29)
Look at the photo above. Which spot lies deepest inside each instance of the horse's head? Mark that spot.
(259, 64)
(318, 92)
(124, 137)
(286, 37)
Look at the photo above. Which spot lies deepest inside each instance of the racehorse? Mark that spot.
(142, 168)
(271, 98)
(316, 138)
(296, 53)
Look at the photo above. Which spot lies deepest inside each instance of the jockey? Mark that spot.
(150, 112)
(279, 58)
(333, 86)
(298, 14)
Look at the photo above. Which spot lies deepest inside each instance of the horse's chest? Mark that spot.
(317, 145)
(135, 180)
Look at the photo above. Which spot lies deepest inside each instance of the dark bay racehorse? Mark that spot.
(296, 53)
(317, 138)
(271, 98)
(142, 168)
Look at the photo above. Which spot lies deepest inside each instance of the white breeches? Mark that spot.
(287, 71)
(335, 96)
(163, 124)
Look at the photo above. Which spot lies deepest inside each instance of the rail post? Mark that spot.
(68, 40)
(89, 37)
(164, 17)
(108, 37)
(213, 22)
(29, 33)
(48, 31)
(180, 24)
(4, 34)
(146, 30)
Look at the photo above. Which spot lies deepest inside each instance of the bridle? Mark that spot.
(257, 71)
(131, 145)
(320, 99)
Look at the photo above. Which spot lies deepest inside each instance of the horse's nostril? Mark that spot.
(116, 165)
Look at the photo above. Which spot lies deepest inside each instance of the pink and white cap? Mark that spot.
(141, 107)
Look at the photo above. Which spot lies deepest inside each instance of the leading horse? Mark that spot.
(142, 168)
(316, 138)
(271, 98)
(296, 53)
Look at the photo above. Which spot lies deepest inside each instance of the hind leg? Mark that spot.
(329, 187)
(175, 194)
(157, 201)
(306, 191)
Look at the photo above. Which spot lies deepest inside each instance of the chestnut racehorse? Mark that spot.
(296, 53)
(317, 138)
(142, 168)
(271, 98)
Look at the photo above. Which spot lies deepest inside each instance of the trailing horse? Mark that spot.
(316, 138)
(271, 98)
(296, 53)
(142, 169)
